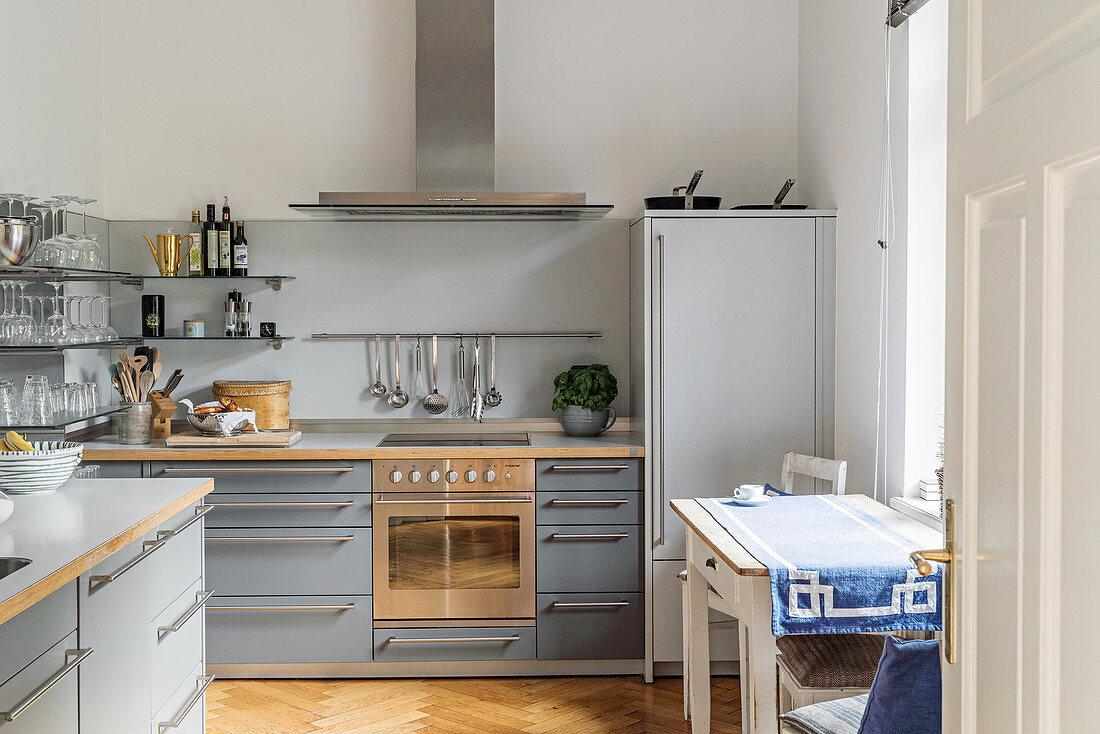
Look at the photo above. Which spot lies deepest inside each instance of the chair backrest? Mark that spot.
(832, 470)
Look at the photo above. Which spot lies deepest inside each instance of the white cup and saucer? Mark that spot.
(750, 495)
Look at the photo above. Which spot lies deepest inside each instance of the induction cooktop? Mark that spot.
(445, 440)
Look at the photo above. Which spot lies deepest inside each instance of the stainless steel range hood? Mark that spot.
(455, 136)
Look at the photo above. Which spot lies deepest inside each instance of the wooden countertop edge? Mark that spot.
(38, 591)
(718, 538)
(238, 454)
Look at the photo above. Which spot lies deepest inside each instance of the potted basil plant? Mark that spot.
(582, 399)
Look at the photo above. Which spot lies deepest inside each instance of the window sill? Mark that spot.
(923, 511)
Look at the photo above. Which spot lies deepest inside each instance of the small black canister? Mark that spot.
(152, 315)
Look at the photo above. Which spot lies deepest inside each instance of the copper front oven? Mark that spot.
(454, 539)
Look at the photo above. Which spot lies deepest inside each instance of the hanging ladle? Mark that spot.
(493, 398)
(398, 398)
(377, 389)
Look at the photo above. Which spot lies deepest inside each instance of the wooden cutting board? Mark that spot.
(272, 439)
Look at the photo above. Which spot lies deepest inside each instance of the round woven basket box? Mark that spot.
(270, 400)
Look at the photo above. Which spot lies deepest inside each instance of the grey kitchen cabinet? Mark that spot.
(278, 477)
(589, 508)
(289, 629)
(289, 510)
(289, 561)
(119, 469)
(578, 475)
(184, 712)
(590, 626)
(588, 558)
(33, 631)
(139, 611)
(454, 643)
(55, 711)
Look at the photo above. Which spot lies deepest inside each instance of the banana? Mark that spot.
(17, 442)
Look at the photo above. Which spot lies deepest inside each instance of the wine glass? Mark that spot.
(23, 322)
(53, 252)
(78, 334)
(73, 252)
(89, 248)
(57, 325)
(7, 316)
(109, 333)
(25, 199)
(12, 198)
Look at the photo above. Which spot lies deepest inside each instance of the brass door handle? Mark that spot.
(923, 559)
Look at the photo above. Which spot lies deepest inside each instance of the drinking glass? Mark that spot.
(88, 471)
(73, 252)
(57, 399)
(9, 406)
(7, 316)
(23, 321)
(77, 332)
(57, 325)
(35, 407)
(108, 331)
(76, 400)
(54, 251)
(91, 395)
(91, 258)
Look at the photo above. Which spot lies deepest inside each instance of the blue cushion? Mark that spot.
(829, 717)
(905, 696)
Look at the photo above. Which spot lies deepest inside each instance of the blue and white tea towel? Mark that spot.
(834, 568)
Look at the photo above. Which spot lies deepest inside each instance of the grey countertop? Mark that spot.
(364, 445)
(68, 531)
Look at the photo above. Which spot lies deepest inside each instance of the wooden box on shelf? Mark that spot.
(163, 410)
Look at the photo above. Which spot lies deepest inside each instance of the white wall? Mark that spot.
(272, 101)
(841, 77)
(51, 120)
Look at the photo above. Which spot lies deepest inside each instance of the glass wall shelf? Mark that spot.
(71, 275)
(47, 348)
(275, 281)
(65, 419)
(275, 342)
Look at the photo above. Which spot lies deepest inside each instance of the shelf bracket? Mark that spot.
(275, 344)
(275, 283)
(136, 282)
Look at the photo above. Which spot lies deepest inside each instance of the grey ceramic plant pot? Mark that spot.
(578, 421)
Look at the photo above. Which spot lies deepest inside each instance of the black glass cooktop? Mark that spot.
(446, 440)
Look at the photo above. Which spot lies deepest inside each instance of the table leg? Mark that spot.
(744, 671)
(762, 715)
(698, 663)
(685, 634)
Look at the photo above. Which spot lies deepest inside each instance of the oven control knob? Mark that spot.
(395, 476)
(433, 476)
(490, 476)
(452, 476)
(470, 476)
(414, 476)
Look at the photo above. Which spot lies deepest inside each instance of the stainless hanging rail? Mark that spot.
(472, 334)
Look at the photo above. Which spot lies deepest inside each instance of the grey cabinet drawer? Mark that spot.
(185, 709)
(588, 508)
(590, 626)
(454, 643)
(30, 633)
(288, 510)
(177, 642)
(56, 711)
(273, 476)
(178, 564)
(288, 629)
(588, 558)
(288, 561)
(582, 474)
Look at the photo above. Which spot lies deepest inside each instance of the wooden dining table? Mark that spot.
(723, 575)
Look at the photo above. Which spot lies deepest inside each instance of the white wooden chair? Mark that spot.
(792, 690)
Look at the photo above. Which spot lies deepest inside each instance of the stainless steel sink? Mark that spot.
(11, 564)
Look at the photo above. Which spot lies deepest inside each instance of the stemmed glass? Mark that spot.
(89, 248)
(38, 335)
(7, 318)
(73, 252)
(57, 325)
(53, 252)
(12, 198)
(23, 323)
(77, 333)
(108, 331)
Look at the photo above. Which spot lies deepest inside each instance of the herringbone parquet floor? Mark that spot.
(462, 706)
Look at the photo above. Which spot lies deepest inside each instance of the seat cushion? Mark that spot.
(832, 661)
(841, 716)
(906, 695)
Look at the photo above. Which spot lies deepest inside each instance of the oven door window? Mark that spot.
(454, 552)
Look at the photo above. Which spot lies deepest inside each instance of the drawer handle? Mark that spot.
(446, 501)
(589, 536)
(282, 504)
(589, 502)
(711, 563)
(261, 470)
(81, 656)
(204, 683)
(430, 640)
(683, 575)
(294, 608)
(588, 467)
(288, 539)
(588, 604)
(150, 546)
(201, 599)
(200, 512)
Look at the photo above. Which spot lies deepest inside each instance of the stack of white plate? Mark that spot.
(42, 470)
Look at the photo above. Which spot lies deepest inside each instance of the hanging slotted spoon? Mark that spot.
(377, 389)
(435, 403)
(493, 398)
(398, 398)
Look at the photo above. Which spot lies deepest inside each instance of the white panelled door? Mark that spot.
(1023, 363)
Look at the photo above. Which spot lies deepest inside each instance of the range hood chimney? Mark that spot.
(455, 133)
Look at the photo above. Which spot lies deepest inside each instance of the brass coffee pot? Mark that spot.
(167, 251)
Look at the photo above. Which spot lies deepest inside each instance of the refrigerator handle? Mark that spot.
(659, 474)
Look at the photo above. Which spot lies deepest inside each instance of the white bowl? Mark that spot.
(6, 507)
(43, 470)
